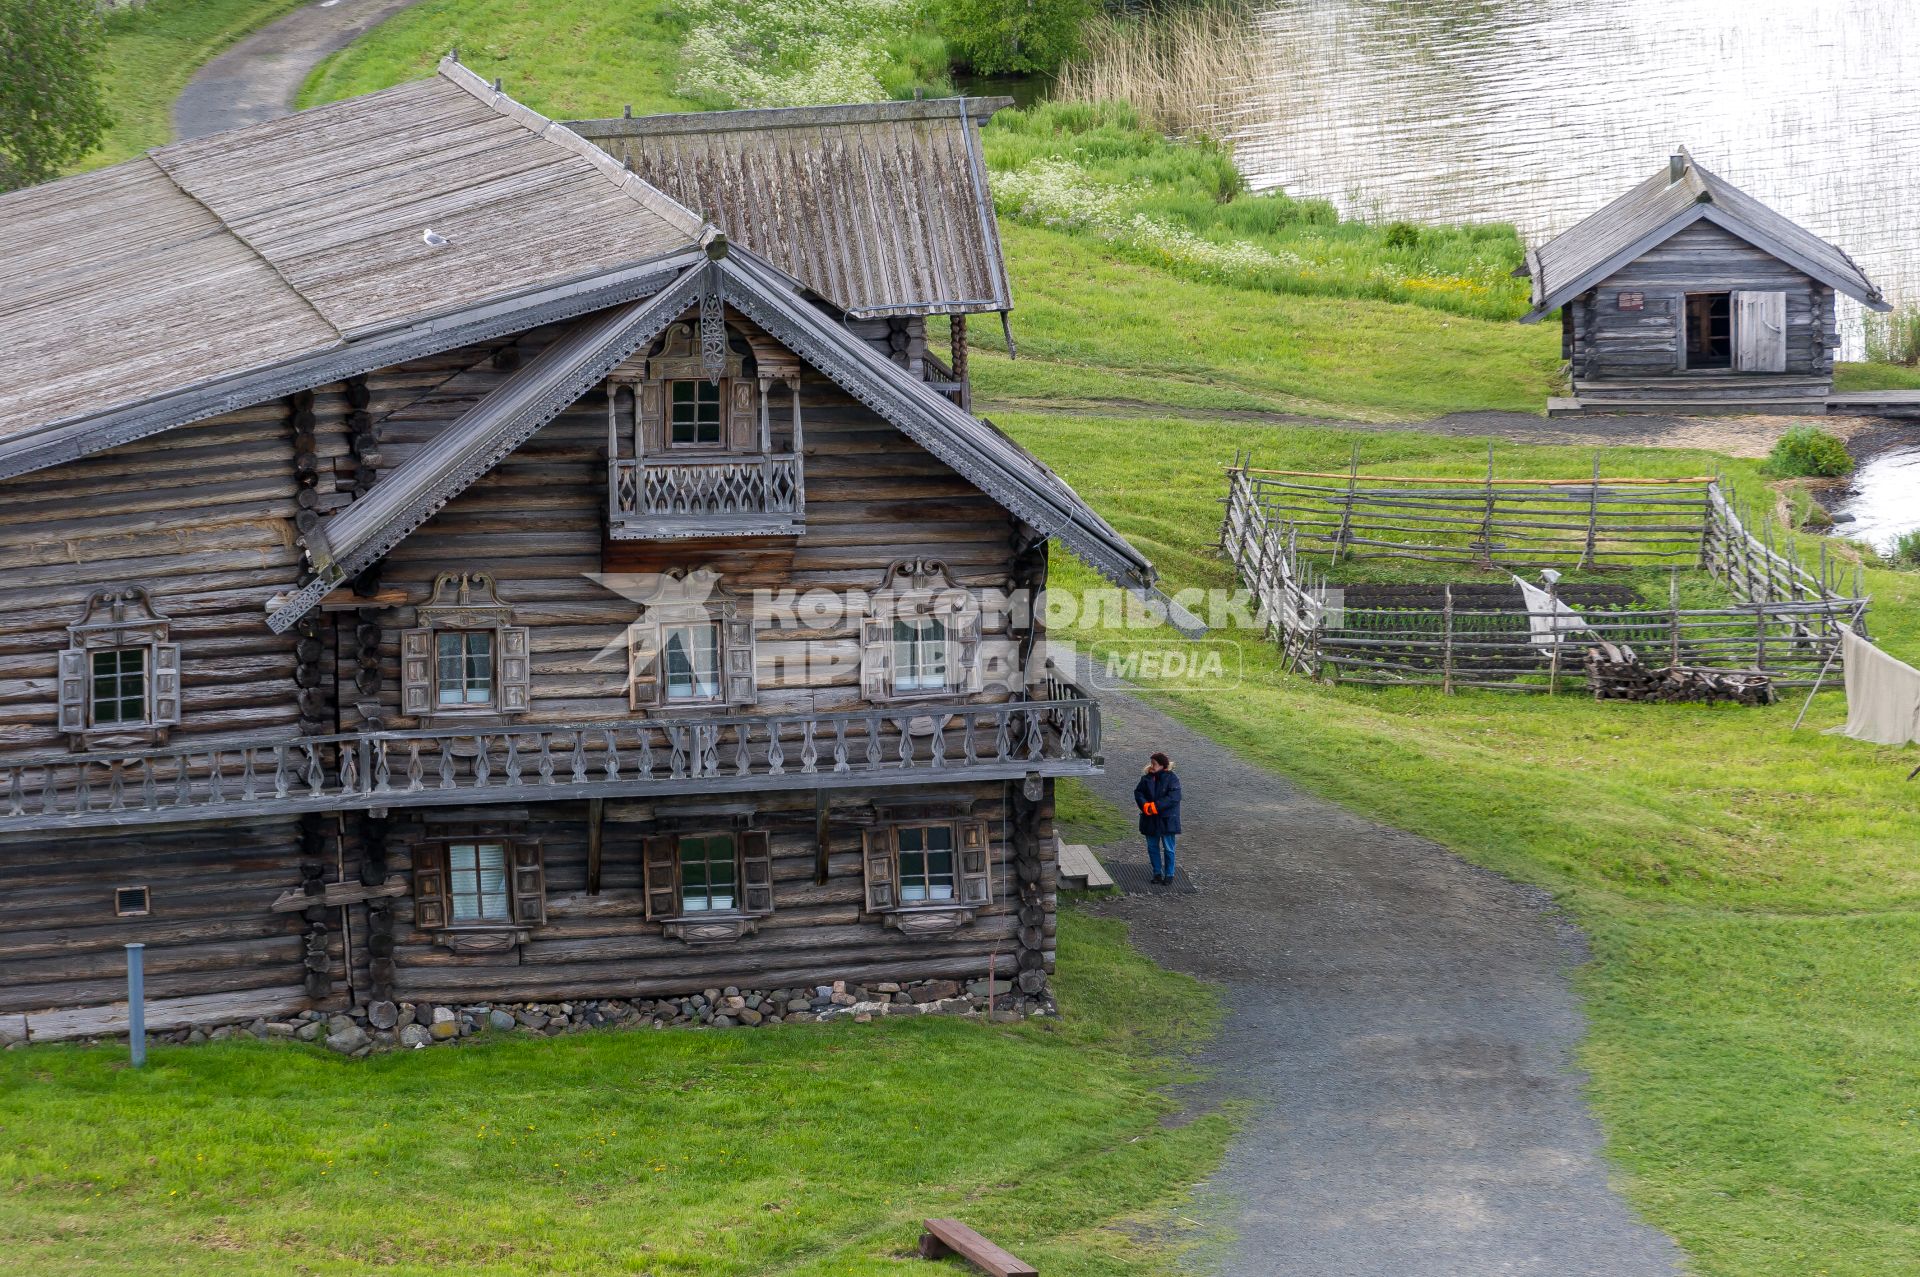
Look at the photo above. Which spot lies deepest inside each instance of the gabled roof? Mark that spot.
(1676, 197)
(412, 492)
(205, 261)
(883, 209)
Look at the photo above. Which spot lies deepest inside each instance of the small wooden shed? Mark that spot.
(1686, 294)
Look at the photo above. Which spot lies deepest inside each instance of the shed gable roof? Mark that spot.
(1659, 208)
(881, 208)
(207, 260)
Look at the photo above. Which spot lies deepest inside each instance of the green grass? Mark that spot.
(1092, 167)
(1860, 377)
(1090, 328)
(571, 59)
(800, 1150)
(1751, 892)
(151, 53)
(1086, 817)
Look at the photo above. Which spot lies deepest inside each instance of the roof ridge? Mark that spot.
(636, 188)
(152, 157)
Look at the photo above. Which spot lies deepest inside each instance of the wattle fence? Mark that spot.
(1784, 623)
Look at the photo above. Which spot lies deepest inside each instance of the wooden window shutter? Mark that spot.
(660, 865)
(876, 660)
(416, 672)
(73, 690)
(756, 872)
(166, 684)
(975, 885)
(651, 417)
(881, 896)
(429, 886)
(529, 884)
(736, 639)
(963, 660)
(646, 675)
(744, 421)
(516, 669)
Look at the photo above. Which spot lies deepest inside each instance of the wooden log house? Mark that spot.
(389, 619)
(1688, 295)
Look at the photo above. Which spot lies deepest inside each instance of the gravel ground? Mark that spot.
(1732, 436)
(1401, 1021)
(257, 79)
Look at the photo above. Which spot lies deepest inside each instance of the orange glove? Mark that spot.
(1152, 809)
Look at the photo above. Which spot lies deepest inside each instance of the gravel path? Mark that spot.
(1731, 436)
(1402, 1022)
(257, 79)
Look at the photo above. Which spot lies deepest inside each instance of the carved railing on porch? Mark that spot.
(908, 744)
(731, 493)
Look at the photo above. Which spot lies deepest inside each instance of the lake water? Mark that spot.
(1887, 503)
(1536, 112)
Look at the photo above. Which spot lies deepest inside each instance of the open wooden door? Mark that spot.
(1760, 332)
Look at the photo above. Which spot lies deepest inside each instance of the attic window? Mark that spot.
(131, 902)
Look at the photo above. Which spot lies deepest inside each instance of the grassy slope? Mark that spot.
(152, 52)
(803, 1150)
(1751, 892)
(569, 58)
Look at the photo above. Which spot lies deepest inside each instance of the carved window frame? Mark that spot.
(690, 599)
(432, 883)
(664, 889)
(118, 619)
(972, 867)
(917, 590)
(465, 602)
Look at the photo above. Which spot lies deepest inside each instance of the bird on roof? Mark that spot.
(434, 239)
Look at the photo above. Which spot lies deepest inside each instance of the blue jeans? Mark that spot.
(1160, 853)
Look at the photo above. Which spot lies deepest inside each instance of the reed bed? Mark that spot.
(1174, 67)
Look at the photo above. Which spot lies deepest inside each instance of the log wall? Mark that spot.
(1608, 343)
(211, 936)
(602, 945)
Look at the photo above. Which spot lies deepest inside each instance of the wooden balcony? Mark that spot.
(921, 743)
(654, 498)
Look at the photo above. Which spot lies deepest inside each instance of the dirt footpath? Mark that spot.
(1402, 1023)
(258, 78)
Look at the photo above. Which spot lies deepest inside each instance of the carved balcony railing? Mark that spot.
(891, 745)
(705, 496)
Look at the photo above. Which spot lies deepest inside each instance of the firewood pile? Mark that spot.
(1617, 674)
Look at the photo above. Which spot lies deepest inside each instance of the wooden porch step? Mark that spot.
(1876, 403)
(1080, 869)
(1583, 406)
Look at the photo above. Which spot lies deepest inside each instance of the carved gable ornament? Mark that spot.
(464, 601)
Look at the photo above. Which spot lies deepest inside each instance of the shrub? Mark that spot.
(999, 37)
(1894, 338)
(1905, 551)
(1402, 235)
(1808, 451)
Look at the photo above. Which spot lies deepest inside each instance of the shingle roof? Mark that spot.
(883, 208)
(206, 259)
(1660, 207)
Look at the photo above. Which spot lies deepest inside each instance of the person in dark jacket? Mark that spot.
(1158, 798)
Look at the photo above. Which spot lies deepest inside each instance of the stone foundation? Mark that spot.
(388, 1026)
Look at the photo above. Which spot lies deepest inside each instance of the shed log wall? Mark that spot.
(1608, 343)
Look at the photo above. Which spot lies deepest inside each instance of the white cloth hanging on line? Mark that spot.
(1883, 694)
(1548, 616)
